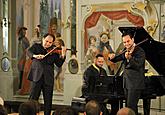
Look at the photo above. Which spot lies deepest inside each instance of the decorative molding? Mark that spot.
(148, 11)
(144, 9)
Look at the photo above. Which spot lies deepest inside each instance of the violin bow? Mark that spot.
(135, 46)
(50, 51)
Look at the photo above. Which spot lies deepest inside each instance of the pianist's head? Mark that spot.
(99, 60)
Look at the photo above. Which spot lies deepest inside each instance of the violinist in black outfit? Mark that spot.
(42, 70)
(133, 74)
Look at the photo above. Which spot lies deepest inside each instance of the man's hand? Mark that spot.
(111, 55)
(128, 55)
(39, 56)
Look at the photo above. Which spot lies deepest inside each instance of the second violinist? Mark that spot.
(42, 70)
(133, 73)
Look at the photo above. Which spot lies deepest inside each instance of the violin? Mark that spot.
(128, 53)
(55, 50)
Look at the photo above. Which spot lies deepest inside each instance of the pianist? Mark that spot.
(90, 75)
(133, 74)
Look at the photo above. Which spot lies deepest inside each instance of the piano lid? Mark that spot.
(155, 51)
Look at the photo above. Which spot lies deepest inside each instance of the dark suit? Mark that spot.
(42, 75)
(89, 79)
(133, 76)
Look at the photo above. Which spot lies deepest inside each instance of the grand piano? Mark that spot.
(112, 88)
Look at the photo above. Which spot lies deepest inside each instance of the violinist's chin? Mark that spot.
(46, 46)
(128, 47)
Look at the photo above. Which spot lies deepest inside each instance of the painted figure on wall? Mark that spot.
(36, 36)
(23, 44)
(53, 27)
(91, 52)
(59, 72)
(25, 88)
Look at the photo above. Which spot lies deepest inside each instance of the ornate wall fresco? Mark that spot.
(108, 17)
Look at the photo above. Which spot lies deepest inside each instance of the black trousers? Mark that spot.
(132, 98)
(47, 90)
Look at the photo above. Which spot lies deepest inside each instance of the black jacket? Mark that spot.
(89, 79)
(45, 66)
(133, 69)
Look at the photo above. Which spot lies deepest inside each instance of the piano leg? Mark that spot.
(146, 106)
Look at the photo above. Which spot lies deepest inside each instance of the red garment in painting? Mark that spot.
(25, 82)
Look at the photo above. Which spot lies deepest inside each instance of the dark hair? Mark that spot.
(99, 55)
(92, 108)
(64, 111)
(48, 34)
(130, 33)
(3, 110)
(21, 29)
(30, 107)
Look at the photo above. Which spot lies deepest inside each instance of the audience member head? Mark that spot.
(3, 110)
(99, 60)
(125, 111)
(30, 107)
(92, 108)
